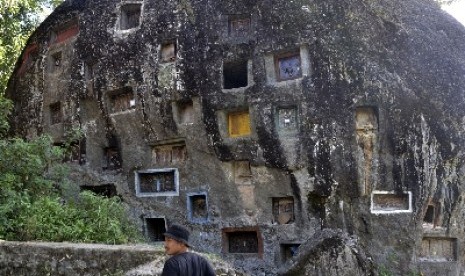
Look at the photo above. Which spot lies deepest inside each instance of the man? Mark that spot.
(182, 262)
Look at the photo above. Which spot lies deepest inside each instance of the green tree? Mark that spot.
(18, 18)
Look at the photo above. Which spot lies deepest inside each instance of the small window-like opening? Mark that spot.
(130, 16)
(56, 115)
(430, 214)
(283, 210)
(235, 74)
(198, 208)
(288, 251)
(55, 61)
(157, 182)
(390, 202)
(170, 154)
(438, 249)
(106, 190)
(239, 26)
(185, 112)
(242, 242)
(288, 66)
(112, 158)
(123, 100)
(239, 124)
(76, 152)
(112, 154)
(287, 119)
(155, 228)
(168, 52)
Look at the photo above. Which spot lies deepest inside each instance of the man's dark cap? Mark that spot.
(179, 233)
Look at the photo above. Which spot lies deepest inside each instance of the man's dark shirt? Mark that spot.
(187, 264)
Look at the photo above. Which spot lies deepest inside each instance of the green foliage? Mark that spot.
(32, 208)
(5, 109)
(92, 219)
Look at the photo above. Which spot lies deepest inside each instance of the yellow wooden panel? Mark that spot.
(239, 124)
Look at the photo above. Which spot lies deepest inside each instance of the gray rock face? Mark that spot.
(260, 123)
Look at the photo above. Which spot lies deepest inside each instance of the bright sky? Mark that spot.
(457, 10)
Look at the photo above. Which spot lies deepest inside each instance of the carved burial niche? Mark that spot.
(383, 202)
(55, 62)
(235, 74)
(239, 123)
(154, 229)
(106, 190)
(130, 16)
(366, 126)
(75, 152)
(112, 154)
(168, 154)
(288, 66)
(286, 118)
(246, 240)
(289, 250)
(56, 114)
(168, 52)
(122, 99)
(197, 207)
(438, 249)
(239, 25)
(184, 112)
(283, 210)
(157, 182)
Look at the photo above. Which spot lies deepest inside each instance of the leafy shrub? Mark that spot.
(32, 206)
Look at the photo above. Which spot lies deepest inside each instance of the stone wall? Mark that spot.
(41, 258)
(35, 258)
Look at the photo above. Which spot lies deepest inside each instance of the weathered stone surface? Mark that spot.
(35, 258)
(38, 258)
(330, 253)
(377, 88)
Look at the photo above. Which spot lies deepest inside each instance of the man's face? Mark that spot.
(173, 247)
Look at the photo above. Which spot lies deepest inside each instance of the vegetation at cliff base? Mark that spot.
(32, 182)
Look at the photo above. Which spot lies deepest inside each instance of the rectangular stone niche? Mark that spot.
(55, 61)
(157, 182)
(387, 202)
(122, 100)
(239, 25)
(288, 66)
(76, 152)
(289, 250)
(438, 249)
(168, 52)
(154, 229)
(130, 16)
(197, 207)
(286, 118)
(56, 114)
(106, 190)
(112, 158)
(283, 210)
(173, 153)
(235, 74)
(184, 112)
(245, 240)
(239, 123)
